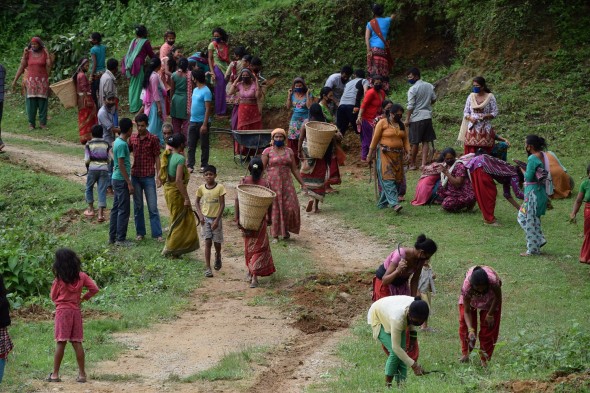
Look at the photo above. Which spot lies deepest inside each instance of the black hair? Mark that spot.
(169, 32)
(96, 131)
(75, 75)
(394, 109)
(142, 118)
(176, 140)
(141, 31)
(324, 92)
(221, 32)
(448, 150)
(198, 75)
(346, 70)
(536, 141)
(480, 80)
(376, 77)
(112, 64)
(125, 125)
(210, 168)
(419, 310)
(172, 64)
(414, 71)
(587, 170)
(256, 168)
(385, 103)
(479, 277)
(240, 51)
(96, 37)
(480, 151)
(316, 113)
(425, 244)
(183, 64)
(360, 73)
(155, 62)
(377, 9)
(67, 266)
(247, 58)
(256, 61)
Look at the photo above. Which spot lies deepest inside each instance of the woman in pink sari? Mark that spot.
(427, 185)
(248, 92)
(86, 106)
(218, 63)
(256, 245)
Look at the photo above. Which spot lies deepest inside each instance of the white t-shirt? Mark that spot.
(335, 82)
(350, 91)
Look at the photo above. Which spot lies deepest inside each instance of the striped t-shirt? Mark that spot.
(96, 154)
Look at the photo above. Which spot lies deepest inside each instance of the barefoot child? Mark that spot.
(66, 294)
(256, 245)
(96, 157)
(426, 288)
(5, 342)
(212, 196)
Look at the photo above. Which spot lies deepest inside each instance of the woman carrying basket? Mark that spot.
(279, 162)
(256, 245)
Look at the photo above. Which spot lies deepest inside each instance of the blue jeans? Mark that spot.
(120, 212)
(102, 178)
(147, 186)
(2, 364)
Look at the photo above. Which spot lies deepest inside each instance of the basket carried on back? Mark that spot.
(253, 202)
(65, 90)
(319, 135)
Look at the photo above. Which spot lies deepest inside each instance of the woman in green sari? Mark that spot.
(182, 236)
(132, 65)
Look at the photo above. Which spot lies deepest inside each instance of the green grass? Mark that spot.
(138, 286)
(233, 366)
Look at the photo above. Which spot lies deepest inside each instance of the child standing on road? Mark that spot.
(97, 156)
(66, 294)
(211, 196)
(426, 288)
(5, 342)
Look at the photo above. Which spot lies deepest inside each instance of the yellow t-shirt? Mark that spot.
(210, 199)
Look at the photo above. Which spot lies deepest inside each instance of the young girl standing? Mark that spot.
(66, 294)
(5, 342)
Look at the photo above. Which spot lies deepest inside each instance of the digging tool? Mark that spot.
(81, 174)
(441, 373)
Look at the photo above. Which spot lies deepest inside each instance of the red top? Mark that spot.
(145, 153)
(37, 80)
(68, 296)
(371, 105)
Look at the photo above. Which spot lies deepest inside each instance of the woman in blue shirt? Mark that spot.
(377, 58)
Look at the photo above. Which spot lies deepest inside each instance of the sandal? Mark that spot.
(50, 379)
(88, 213)
(101, 218)
(397, 208)
(81, 379)
(217, 265)
(208, 273)
(139, 238)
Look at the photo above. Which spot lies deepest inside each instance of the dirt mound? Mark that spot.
(329, 303)
(560, 381)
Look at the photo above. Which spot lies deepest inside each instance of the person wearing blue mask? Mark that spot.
(279, 163)
(300, 99)
(421, 96)
(477, 131)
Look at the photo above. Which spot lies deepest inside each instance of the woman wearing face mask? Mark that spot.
(300, 98)
(132, 65)
(37, 63)
(279, 162)
(455, 190)
(181, 90)
(327, 98)
(481, 291)
(535, 196)
(249, 117)
(86, 107)
(218, 53)
(370, 107)
(154, 99)
(390, 318)
(391, 141)
(480, 108)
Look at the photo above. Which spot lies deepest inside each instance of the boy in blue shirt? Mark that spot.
(200, 120)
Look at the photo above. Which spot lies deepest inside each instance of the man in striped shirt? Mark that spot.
(97, 156)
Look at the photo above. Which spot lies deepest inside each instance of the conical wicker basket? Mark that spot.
(319, 135)
(253, 202)
(65, 90)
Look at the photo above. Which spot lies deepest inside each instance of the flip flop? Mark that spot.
(49, 379)
(101, 218)
(81, 379)
(397, 208)
(208, 273)
(218, 264)
(88, 214)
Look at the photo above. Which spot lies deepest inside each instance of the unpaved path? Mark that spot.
(219, 319)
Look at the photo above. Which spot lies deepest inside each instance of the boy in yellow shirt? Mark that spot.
(210, 205)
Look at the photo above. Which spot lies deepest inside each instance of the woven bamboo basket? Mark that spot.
(319, 135)
(253, 202)
(65, 90)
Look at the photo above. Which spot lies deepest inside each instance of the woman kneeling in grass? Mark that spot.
(390, 317)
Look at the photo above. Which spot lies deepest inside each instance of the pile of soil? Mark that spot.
(330, 302)
(559, 382)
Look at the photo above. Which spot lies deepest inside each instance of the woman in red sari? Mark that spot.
(249, 117)
(256, 245)
(86, 106)
(584, 197)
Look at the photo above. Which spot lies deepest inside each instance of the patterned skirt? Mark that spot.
(5, 343)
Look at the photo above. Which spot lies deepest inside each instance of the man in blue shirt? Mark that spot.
(122, 186)
(200, 120)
